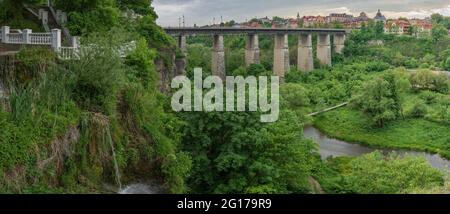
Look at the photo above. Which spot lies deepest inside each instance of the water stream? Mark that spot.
(116, 165)
(142, 188)
(337, 148)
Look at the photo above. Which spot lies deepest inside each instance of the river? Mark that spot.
(329, 147)
(336, 148)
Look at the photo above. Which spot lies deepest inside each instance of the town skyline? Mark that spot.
(202, 13)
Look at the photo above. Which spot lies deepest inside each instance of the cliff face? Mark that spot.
(168, 70)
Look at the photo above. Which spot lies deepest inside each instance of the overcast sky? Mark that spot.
(203, 12)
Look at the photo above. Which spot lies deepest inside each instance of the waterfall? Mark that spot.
(116, 166)
(2, 90)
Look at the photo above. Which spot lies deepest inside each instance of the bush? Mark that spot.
(419, 110)
(411, 63)
(447, 64)
(376, 173)
(424, 66)
(98, 77)
(427, 80)
(141, 60)
(257, 70)
(429, 97)
(294, 95)
(377, 66)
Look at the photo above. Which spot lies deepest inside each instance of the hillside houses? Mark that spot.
(399, 26)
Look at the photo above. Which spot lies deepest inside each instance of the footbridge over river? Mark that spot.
(281, 49)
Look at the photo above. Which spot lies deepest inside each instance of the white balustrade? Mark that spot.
(53, 40)
(66, 53)
(41, 38)
(15, 38)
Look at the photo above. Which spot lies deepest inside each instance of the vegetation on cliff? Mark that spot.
(71, 125)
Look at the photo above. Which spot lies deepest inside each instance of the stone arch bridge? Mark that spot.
(281, 48)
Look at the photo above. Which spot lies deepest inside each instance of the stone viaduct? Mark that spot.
(305, 60)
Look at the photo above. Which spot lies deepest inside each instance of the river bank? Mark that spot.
(406, 134)
(330, 147)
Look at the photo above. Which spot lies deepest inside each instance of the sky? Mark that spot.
(202, 12)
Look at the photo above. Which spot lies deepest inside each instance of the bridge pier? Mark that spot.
(252, 50)
(339, 42)
(305, 53)
(180, 63)
(324, 49)
(218, 57)
(281, 55)
(182, 43)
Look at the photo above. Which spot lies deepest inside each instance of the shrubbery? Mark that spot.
(377, 174)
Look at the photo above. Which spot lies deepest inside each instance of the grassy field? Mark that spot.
(412, 134)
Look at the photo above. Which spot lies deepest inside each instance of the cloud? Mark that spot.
(205, 11)
(418, 13)
(443, 11)
(339, 10)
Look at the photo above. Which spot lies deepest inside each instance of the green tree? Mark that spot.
(437, 18)
(235, 153)
(397, 85)
(142, 7)
(439, 32)
(376, 102)
(379, 29)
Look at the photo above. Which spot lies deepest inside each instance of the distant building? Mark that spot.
(314, 21)
(264, 20)
(398, 26)
(279, 23)
(340, 17)
(292, 23)
(237, 26)
(251, 24)
(415, 27)
(357, 22)
(380, 16)
(362, 17)
(421, 26)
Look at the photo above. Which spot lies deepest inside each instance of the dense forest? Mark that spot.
(73, 126)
